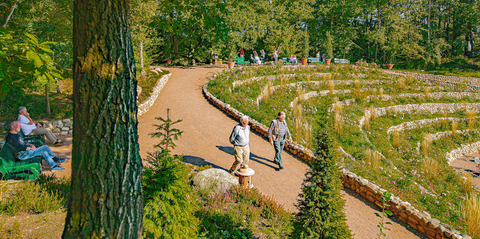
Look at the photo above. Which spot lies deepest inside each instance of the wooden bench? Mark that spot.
(37, 140)
(340, 61)
(13, 168)
(286, 60)
(314, 60)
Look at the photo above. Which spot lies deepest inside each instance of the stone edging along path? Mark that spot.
(145, 106)
(418, 220)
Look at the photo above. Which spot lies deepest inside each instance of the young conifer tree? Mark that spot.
(320, 205)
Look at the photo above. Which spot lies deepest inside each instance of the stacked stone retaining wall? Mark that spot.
(418, 220)
(471, 83)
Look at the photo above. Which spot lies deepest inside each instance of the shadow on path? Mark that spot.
(199, 161)
(460, 169)
(253, 157)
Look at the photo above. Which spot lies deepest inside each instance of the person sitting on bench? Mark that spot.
(30, 127)
(25, 151)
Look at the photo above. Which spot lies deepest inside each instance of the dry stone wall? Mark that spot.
(419, 220)
(472, 84)
(145, 106)
(63, 127)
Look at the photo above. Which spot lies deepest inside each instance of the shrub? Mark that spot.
(168, 207)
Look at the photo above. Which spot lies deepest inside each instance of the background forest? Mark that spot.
(382, 31)
(36, 37)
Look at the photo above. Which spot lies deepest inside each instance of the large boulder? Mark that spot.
(217, 180)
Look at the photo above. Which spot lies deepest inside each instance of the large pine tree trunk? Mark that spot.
(106, 193)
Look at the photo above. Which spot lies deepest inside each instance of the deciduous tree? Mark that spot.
(106, 189)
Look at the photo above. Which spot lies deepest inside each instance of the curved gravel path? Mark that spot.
(205, 140)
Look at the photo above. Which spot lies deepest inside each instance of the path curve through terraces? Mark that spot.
(205, 140)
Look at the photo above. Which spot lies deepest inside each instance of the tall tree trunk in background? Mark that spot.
(141, 55)
(47, 99)
(106, 189)
(175, 45)
(428, 24)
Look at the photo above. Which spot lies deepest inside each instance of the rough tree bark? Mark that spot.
(106, 190)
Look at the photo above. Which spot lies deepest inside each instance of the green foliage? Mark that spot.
(21, 64)
(49, 21)
(166, 133)
(143, 35)
(386, 196)
(329, 46)
(169, 208)
(169, 204)
(242, 213)
(321, 205)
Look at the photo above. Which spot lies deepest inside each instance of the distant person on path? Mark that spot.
(242, 53)
(240, 138)
(275, 56)
(31, 127)
(25, 151)
(318, 54)
(277, 133)
(262, 54)
(257, 60)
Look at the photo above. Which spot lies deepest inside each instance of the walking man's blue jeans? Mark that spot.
(278, 151)
(40, 151)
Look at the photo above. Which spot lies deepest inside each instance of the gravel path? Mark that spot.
(205, 140)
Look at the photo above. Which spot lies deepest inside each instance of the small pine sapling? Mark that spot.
(166, 133)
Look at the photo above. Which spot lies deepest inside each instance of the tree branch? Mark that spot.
(10, 14)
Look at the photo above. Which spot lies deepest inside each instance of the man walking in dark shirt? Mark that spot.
(25, 151)
(277, 134)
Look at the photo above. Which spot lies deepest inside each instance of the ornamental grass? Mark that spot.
(471, 215)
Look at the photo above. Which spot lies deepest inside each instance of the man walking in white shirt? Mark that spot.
(240, 138)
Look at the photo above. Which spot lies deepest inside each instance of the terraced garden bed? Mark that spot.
(399, 132)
